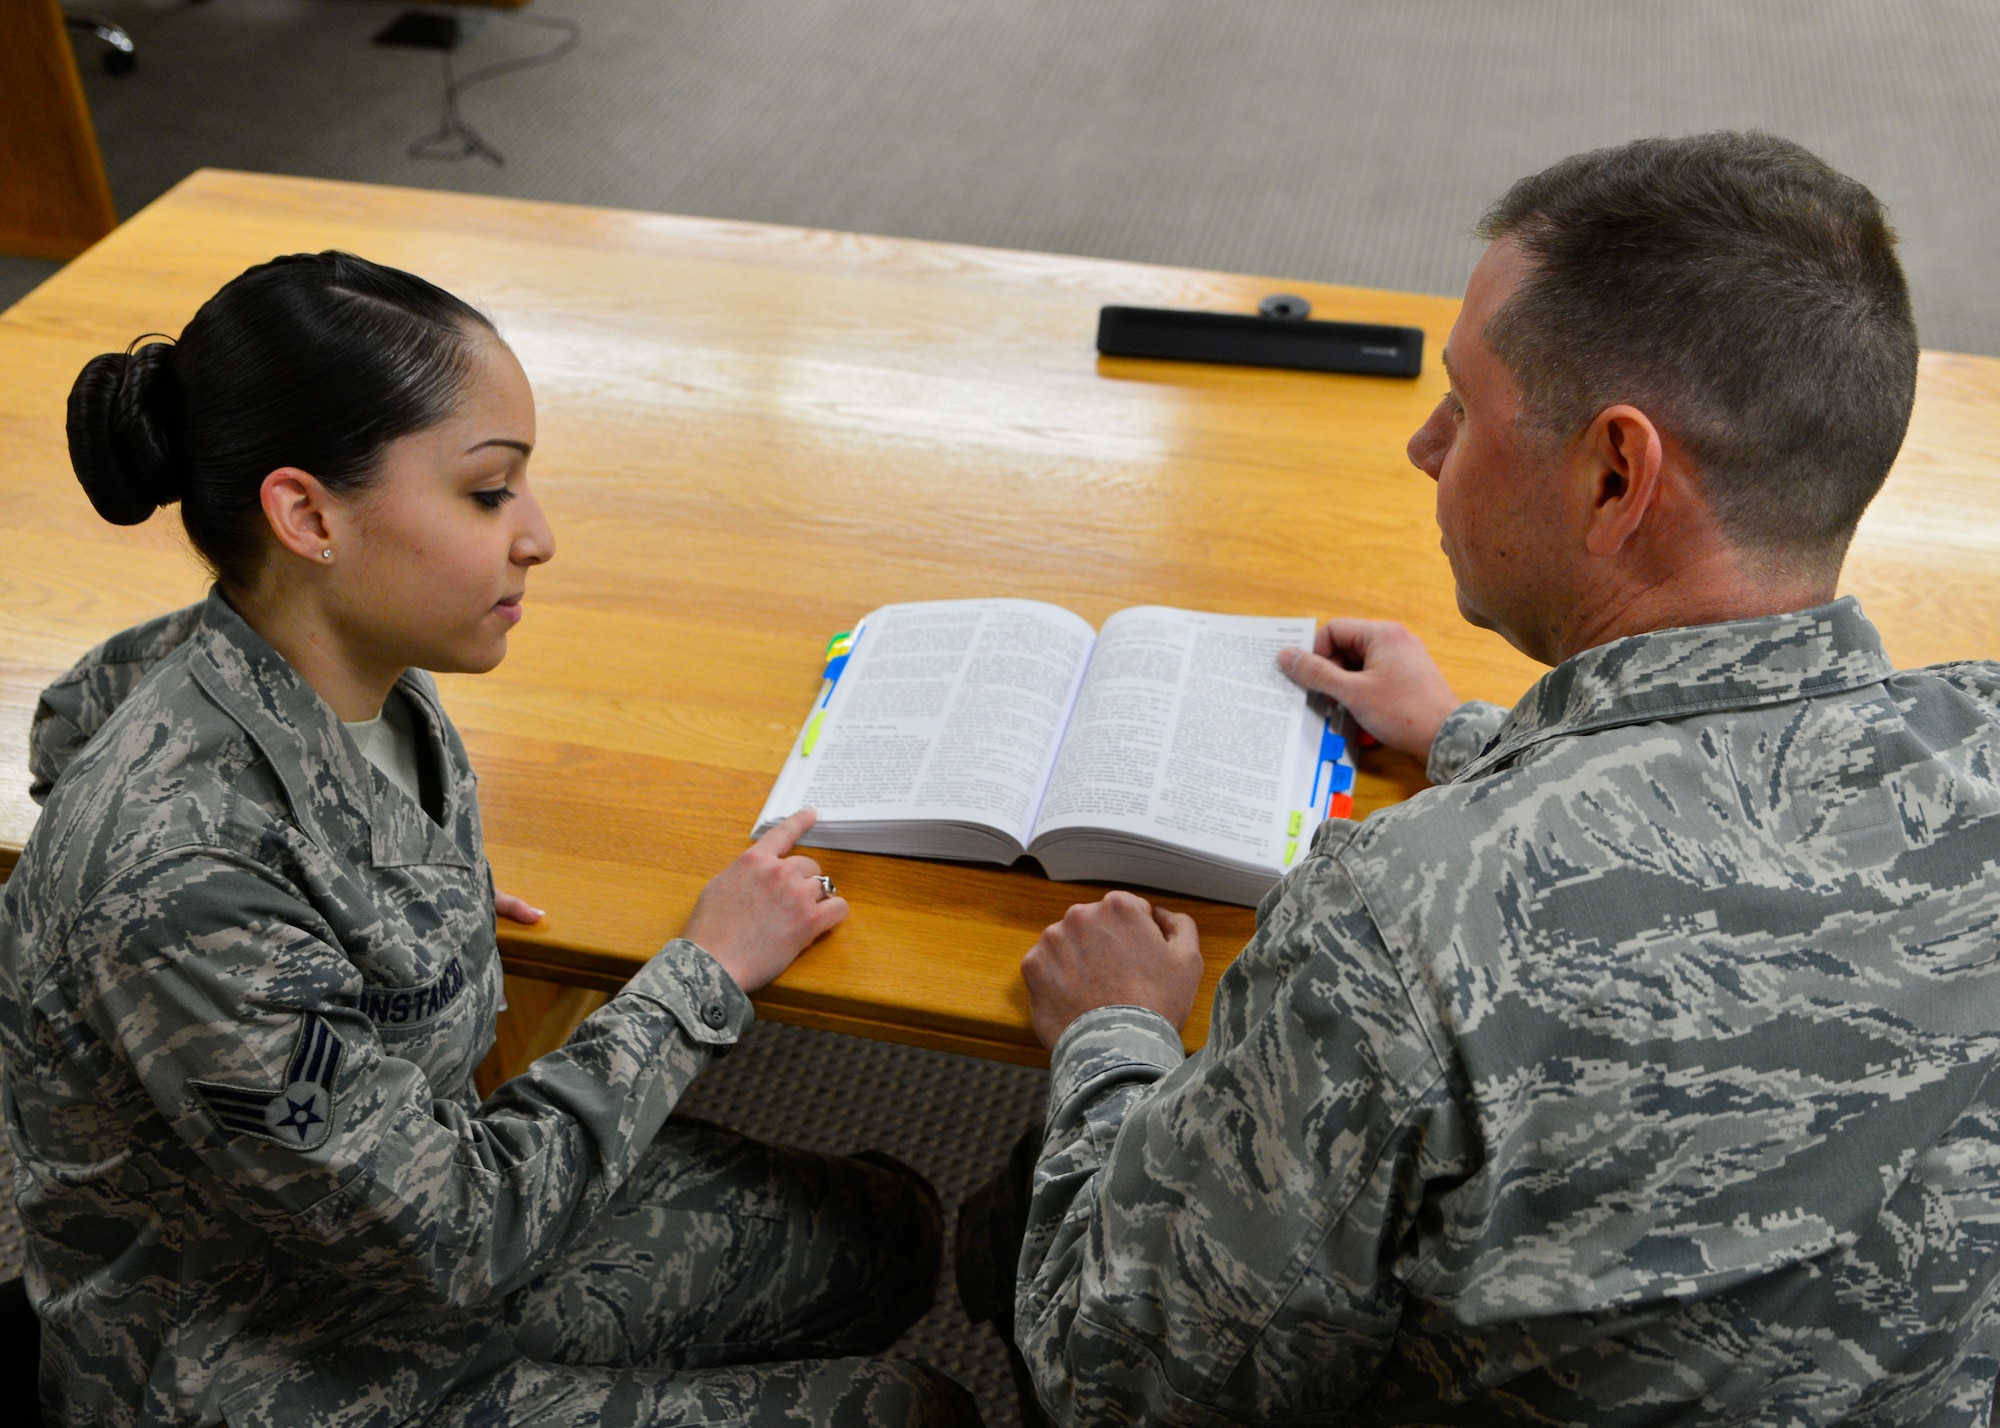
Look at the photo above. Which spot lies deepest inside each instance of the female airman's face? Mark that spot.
(434, 556)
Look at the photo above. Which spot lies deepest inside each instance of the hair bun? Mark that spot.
(118, 433)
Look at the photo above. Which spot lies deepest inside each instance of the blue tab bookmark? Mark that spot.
(1334, 778)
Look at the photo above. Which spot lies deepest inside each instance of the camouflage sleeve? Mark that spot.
(1461, 738)
(1216, 1241)
(221, 990)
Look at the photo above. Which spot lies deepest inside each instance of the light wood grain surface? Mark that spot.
(752, 435)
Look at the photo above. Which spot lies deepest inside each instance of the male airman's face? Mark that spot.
(1501, 508)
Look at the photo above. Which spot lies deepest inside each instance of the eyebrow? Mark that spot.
(1444, 356)
(520, 446)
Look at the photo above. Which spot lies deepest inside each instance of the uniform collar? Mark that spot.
(1699, 669)
(340, 799)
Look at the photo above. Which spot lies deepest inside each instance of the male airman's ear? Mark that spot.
(1622, 455)
(295, 506)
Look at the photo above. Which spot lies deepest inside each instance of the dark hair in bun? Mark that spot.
(116, 441)
(317, 360)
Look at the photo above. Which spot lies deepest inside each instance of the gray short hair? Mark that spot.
(1743, 294)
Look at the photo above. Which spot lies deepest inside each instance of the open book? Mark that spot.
(1169, 750)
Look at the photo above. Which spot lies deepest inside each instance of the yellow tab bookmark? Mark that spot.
(812, 733)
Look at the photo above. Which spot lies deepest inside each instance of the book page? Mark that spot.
(1187, 731)
(947, 710)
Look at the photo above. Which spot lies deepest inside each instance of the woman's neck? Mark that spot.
(309, 639)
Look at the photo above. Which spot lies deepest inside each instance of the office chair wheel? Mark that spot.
(121, 56)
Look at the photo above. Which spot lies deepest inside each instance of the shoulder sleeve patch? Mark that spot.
(297, 1115)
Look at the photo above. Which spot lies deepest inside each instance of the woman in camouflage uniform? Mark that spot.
(247, 962)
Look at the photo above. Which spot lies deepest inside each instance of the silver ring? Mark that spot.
(826, 888)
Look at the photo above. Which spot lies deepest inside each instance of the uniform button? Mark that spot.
(714, 1015)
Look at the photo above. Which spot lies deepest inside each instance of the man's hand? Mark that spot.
(1382, 675)
(1122, 951)
(760, 912)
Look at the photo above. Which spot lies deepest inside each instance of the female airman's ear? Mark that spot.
(296, 506)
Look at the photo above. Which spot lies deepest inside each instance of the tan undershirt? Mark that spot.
(389, 741)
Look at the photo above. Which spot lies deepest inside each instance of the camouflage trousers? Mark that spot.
(730, 1282)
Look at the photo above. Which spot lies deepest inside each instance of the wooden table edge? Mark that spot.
(605, 972)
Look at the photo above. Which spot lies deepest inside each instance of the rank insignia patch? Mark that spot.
(300, 1114)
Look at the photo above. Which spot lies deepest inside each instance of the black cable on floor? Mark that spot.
(455, 139)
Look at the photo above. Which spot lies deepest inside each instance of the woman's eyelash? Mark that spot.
(494, 498)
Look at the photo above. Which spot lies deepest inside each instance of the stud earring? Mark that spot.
(326, 554)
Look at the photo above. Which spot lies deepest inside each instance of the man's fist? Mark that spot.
(1122, 951)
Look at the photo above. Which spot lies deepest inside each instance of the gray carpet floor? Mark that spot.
(1343, 140)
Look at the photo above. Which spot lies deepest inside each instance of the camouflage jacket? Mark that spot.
(1641, 1072)
(244, 982)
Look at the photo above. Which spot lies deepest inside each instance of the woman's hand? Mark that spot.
(761, 911)
(515, 909)
(1382, 675)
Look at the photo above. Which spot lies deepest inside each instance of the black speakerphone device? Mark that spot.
(1245, 341)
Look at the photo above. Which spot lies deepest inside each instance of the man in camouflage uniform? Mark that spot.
(1642, 1070)
(244, 983)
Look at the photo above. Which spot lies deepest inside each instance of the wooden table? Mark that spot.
(752, 435)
